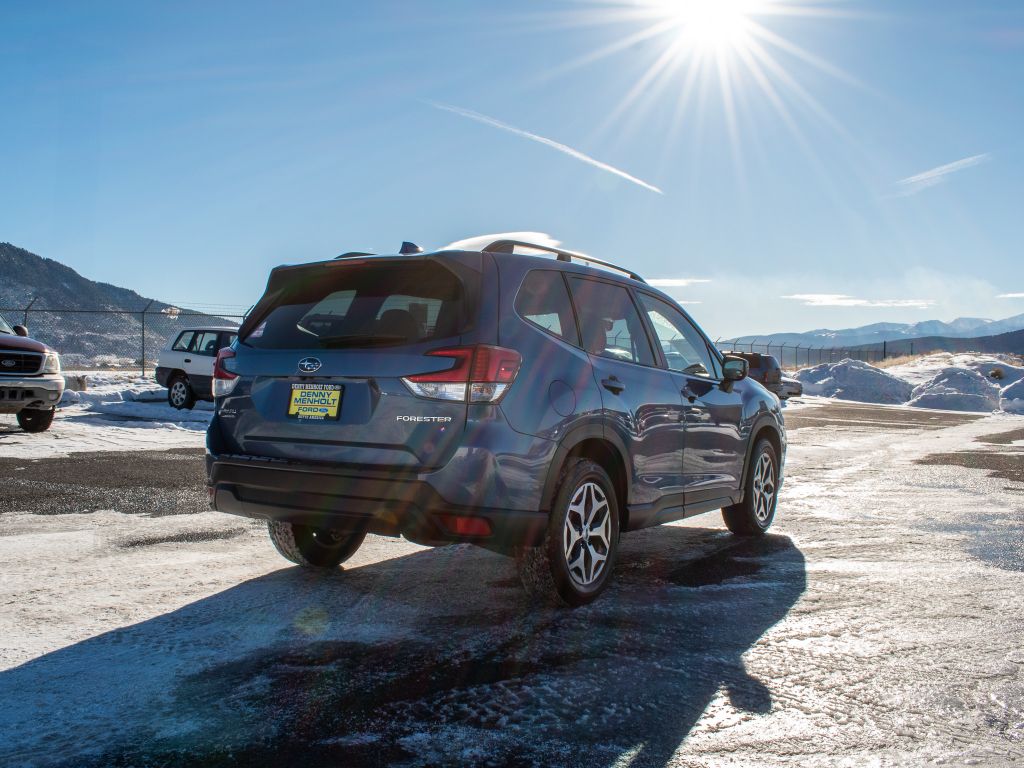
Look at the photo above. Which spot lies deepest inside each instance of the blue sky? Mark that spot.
(872, 166)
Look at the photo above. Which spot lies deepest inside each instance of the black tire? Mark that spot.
(314, 547)
(754, 515)
(576, 578)
(33, 420)
(180, 394)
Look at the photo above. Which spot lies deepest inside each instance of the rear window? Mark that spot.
(368, 306)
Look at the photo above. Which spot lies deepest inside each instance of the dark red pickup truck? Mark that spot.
(30, 379)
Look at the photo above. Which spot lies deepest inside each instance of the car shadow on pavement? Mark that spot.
(431, 658)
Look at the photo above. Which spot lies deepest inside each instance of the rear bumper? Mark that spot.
(40, 392)
(346, 499)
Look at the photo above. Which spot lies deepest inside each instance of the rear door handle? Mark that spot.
(613, 385)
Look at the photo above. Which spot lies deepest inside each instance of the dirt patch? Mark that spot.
(874, 418)
(1008, 466)
(1003, 438)
(190, 537)
(141, 482)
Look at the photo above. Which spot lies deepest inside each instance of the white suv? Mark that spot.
(185, 366)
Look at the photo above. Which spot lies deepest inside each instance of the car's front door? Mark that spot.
(714, 453)
(640, 400)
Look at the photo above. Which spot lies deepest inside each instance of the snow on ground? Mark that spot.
(854, 380)
(118, 411)
(956, 382)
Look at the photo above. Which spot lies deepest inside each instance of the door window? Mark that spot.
(205, 343)
(182, 344)
(684, 347)
(609, 321)
(544, 301)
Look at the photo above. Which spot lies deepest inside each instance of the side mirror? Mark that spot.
(20, 330)
(733, 369)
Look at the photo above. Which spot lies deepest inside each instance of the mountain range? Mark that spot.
(876, 333)
(81, 318)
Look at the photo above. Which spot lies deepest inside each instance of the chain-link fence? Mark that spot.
(792, 356)
(132, 338)
(122, 339)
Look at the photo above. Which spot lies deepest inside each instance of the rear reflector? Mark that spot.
(479, 374)
(466, 526)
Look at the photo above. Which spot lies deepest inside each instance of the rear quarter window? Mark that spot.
(544, 301)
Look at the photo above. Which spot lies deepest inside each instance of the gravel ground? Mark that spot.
(879, 624)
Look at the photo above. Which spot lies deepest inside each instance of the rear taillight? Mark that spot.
(224, 379)
(479, 374)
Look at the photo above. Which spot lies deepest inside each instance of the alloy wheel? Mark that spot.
(586, 536)
(764, 487)
(178, 394)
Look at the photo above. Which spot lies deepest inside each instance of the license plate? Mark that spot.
(315, 402)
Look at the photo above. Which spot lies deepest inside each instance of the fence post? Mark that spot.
(144, 336)
(24, 320)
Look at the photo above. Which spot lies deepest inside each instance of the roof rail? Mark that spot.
(509, 246)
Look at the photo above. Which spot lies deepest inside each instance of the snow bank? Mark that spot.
(955, 382)
(1013, 397)
(992, 367)
(957, 389)
(854, 380)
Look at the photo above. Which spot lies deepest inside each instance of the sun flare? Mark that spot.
(711, 25)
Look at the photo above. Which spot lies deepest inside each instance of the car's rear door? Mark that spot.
(714, 448)
(640, 400)
(323, 358)
(198, 363)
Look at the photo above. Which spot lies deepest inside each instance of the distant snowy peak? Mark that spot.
(876, 333)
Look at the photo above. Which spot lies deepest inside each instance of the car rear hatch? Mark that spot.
(322, 357)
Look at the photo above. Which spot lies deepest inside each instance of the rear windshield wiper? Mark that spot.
(361, 340)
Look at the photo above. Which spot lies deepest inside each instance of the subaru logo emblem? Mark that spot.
(309, 365)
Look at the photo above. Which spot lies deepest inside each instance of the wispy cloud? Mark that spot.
(1010, 296)
(676, 282)
(563, 148)
(842, 300)
(921, 181)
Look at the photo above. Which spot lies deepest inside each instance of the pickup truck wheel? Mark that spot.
(35, 420)
(754, 515)
(574, 562)
(314, 547)
(180, 394)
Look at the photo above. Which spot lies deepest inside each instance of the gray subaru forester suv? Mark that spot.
(532, 405)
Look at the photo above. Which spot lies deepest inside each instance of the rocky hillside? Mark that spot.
(90, 322)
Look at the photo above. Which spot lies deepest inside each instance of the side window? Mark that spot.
(543, 300)
(684, 347)
(182, 344)
(227, 339)
(609, 321)
(205, 343)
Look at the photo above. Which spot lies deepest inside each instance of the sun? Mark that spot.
(711, 25)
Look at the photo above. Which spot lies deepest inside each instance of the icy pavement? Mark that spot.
(879, 624)
(119, 411)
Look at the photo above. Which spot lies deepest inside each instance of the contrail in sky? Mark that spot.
(546, 142)
(914, 184)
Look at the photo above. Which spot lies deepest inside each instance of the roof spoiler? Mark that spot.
(509, 246)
